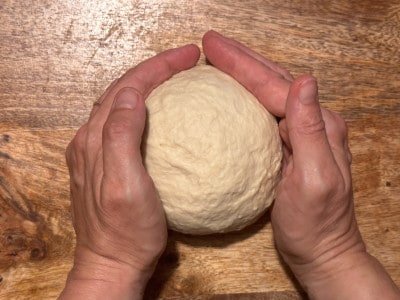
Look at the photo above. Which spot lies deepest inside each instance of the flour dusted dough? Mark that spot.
(212, 150)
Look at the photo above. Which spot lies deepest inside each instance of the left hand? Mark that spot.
(117, 215)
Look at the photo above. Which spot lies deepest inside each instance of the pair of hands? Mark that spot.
(118, 217)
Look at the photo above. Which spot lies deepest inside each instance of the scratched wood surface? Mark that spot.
(58, 56)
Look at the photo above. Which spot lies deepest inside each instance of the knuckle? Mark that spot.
(116, 127)
(266, 82)
(77, 183)
(340, 123)
(74, 157)
(349, 156)
(337, 127)
(79, 141)
(310, 126)
(115, 201)
(322, 184)
(76, 146)
(120, 196)
(114, 204)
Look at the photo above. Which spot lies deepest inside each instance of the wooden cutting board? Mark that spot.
(58, 56)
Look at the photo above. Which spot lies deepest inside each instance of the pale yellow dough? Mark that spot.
(213, 151)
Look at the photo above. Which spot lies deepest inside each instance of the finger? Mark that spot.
(268, 86)
(75, 157)
(126, 185)
(268, 63)
(122, 135)
(148, 75)
(76, 167)
(284, 133)
(97, 104)
(286, 159)
(336, 131)
(143, 78)
(306, 127)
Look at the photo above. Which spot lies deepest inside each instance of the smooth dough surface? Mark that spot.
(213, 151)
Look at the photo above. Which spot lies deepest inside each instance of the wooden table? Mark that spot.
(58, 56)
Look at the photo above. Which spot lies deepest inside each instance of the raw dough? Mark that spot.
(213, 151)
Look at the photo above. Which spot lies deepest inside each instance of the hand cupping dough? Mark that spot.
(213, 152)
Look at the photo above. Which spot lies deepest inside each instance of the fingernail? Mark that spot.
(126, 98)
(308, 92)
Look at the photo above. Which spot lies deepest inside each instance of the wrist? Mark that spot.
(97, 277)
(356, 275)
(329, 265)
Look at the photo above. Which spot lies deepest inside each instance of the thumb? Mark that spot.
(122, 136)
(306, 126)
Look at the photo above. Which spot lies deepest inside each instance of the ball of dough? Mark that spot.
(213, 151)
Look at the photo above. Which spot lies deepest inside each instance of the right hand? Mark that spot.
(313, 215)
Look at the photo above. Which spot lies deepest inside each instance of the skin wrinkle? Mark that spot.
(301, 234)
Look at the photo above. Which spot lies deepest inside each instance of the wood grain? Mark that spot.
(58, 56)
